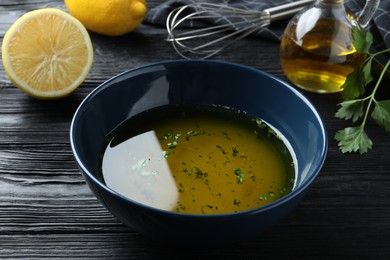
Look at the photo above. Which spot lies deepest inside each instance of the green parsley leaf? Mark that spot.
(362, 39)
(381, 114)
(354, 85)
(350, 109)
(366, 70)
(353, 139)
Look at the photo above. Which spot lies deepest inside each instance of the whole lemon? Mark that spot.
(108, 17)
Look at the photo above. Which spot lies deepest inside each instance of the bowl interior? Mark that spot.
(199, 82)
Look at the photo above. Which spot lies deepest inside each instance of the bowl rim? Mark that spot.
(296, 191)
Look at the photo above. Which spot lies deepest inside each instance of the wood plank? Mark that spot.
(47, 210)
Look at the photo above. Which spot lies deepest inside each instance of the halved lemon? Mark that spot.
(47, 53)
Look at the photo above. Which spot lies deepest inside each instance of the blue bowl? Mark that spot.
(192, 82)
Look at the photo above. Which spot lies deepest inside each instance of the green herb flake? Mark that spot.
(196, 132)
(180, 206)
(239, 175)
(221, 149)
(236, 202)
(283, 191)
(199, 174)
(225, 134)
(174, 138)
(243, 156)
(260, 123)
(165, 154)
(181, 187)
(234, 151)
(172, 145)
(263, 198)
(267, 196)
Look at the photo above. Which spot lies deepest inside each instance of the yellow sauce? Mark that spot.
(199, 163)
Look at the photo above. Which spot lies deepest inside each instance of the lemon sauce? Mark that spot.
(198, 160)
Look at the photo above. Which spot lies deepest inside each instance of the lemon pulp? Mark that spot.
(47, 53)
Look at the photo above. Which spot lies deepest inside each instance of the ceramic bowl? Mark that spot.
(197, 82)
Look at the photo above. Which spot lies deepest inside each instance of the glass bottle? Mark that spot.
(317, 51)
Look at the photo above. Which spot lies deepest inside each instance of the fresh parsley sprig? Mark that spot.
(357, 106)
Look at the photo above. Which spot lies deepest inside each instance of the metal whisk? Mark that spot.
(232, 25)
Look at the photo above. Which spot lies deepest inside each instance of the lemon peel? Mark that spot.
(108, 17)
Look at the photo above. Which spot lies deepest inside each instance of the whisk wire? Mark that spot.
(232, 25)
(207, 31)
(207, 53)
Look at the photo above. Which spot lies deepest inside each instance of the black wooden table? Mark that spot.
(47, 210)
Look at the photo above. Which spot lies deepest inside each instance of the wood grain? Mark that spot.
(47, 210)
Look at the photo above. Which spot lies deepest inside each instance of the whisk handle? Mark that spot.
(284, 11)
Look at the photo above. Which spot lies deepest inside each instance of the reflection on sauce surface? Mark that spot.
(198, 161)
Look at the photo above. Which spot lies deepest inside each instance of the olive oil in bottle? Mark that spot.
(317, 49)
(320, 61)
